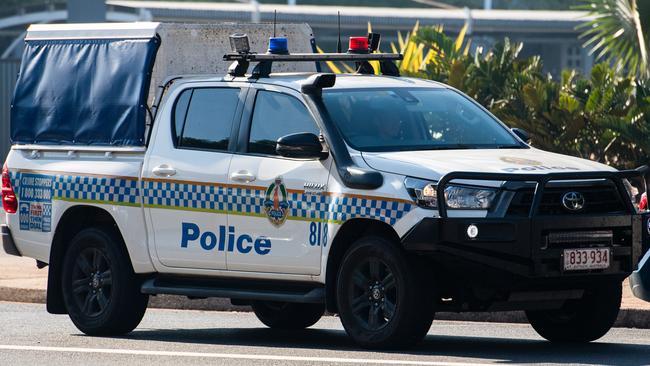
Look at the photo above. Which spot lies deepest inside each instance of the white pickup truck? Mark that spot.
(382, 198)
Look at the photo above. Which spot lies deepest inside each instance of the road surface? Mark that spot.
(31, 336)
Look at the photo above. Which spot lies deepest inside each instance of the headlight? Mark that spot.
(469, 198)
(424, 193)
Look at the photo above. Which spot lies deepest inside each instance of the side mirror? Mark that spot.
(303, 145)
(522, 134)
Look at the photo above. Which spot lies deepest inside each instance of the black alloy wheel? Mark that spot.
(374, 294)
(101, 292)
(92, 282)
(385, 297)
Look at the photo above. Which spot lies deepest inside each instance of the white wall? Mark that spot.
(199, 48)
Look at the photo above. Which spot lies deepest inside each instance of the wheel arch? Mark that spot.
(73, 220)
(351, 231)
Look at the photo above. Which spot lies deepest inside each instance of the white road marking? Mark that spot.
(237, 356)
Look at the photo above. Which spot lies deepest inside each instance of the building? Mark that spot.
(550, 34)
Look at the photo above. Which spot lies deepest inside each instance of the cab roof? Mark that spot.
(343, 81)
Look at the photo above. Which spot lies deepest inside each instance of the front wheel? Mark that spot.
(285, 315)
(100, 289)
(583, 320)
(382, 298)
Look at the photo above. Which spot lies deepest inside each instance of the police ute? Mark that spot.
(381, 198)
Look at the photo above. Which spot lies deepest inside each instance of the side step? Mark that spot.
(201, 287)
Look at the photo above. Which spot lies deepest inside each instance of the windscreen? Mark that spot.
(397, 119)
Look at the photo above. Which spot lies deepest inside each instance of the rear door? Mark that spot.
(186, 172)
(280, 201)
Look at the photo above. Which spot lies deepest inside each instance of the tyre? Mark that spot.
(100, 289)
(381, 296)
(582, 320)
(284, 315)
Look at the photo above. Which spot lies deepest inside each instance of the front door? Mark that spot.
(279, 201)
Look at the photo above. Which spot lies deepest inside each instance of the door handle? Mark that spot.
(242, 176)
(164, 170)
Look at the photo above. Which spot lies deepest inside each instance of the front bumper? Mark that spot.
(521, 246)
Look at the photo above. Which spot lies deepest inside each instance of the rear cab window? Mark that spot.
(203, 118)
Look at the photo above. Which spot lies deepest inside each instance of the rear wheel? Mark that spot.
(381, 296)
(100, 290)
(284, 315)
(582, 320)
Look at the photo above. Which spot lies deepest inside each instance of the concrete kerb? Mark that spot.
(628, 318)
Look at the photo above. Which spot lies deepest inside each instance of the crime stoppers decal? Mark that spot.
(35, 202)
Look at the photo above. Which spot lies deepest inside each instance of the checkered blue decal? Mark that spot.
(103, 189)
(249, 201)
(114, 190)
(208, 197)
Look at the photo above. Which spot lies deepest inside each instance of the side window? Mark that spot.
(180, 111)
(209, 118)
(276, 115)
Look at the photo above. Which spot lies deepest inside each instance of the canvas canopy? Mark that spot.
(81, 86)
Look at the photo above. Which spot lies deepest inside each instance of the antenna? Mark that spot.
(338, 43)
(275, 18)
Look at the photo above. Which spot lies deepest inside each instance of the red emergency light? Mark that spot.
(358, 45)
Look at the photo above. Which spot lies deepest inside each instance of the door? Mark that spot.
(280, 201)
(185, 177)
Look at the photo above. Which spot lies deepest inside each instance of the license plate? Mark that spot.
(588, 258)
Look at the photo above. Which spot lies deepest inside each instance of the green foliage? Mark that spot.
(604, 116)
(618, 34)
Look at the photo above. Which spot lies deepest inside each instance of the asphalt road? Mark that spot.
(31, 336)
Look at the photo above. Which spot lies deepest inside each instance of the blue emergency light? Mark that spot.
(278, 46)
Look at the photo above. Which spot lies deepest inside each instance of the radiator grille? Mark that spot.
(602, 199)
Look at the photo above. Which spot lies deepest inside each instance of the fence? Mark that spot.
(8, 75)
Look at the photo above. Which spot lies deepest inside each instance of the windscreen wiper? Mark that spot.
(510, 147)
(451, 147)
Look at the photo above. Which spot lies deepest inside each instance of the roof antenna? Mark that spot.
(338, 43)
(275, 17)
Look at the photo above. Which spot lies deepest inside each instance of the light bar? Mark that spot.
(602, 237)
(306, 57)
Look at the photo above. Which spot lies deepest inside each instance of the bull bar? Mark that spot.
(516, 245)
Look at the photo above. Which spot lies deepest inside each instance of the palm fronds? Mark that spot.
(616, 35)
